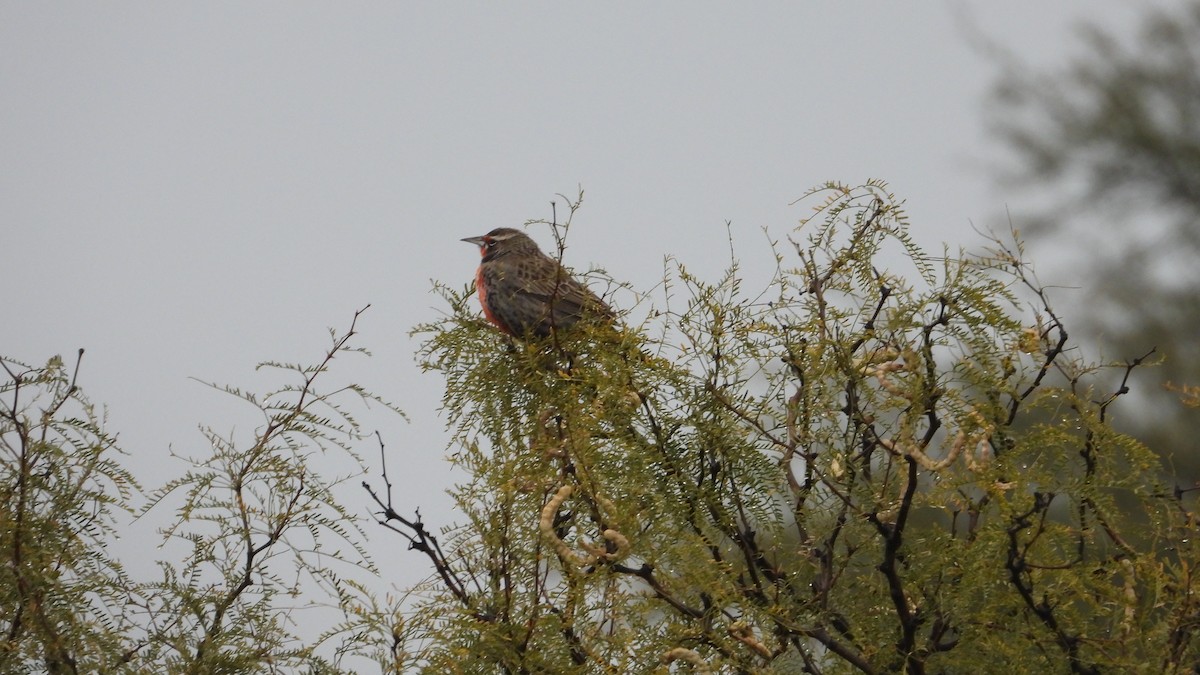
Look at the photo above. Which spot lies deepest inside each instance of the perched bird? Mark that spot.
(525, 292)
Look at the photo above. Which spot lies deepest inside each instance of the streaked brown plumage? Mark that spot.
(525, 292)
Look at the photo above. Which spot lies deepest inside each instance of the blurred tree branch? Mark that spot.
(1106, 156)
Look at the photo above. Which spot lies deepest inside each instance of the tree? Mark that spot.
(864, 467)
(884, 461)
(263, 534)
(1108, 148)
(60, 492)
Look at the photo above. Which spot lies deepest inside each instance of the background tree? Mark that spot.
(1108, 148)
(263, 537)
(862, 468)
(62, 490)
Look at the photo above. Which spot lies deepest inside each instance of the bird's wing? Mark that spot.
(568, 298)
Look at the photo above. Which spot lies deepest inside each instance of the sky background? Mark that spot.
(189, 189)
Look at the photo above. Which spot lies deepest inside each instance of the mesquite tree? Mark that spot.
(881, 462)
(260, 534)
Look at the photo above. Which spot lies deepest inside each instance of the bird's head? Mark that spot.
(501, 241)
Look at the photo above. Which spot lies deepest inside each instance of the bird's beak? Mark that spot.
(478, 241)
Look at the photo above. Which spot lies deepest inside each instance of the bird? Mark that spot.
(526, 293)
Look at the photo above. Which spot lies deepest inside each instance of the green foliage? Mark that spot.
(263, 525)
(861, 468)
(264, 537)
(61, 492)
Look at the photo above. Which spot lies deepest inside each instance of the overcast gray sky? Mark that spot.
(187, 189)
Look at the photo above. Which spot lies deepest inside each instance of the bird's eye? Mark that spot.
(490, 243)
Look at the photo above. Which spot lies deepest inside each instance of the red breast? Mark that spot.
(482, 289)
